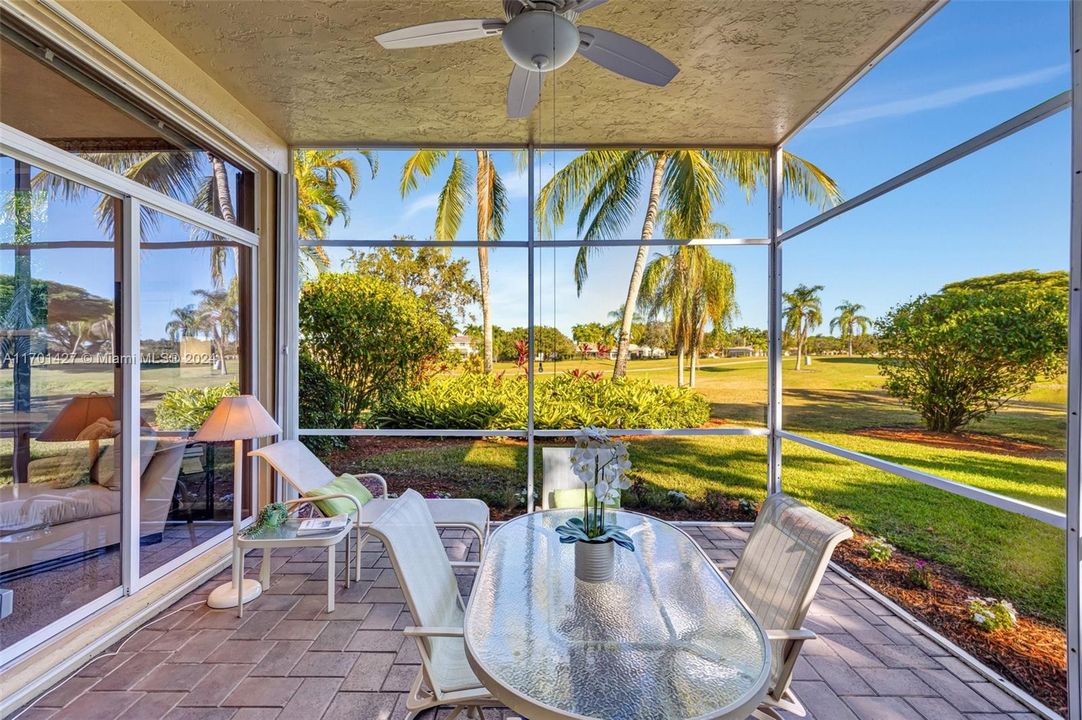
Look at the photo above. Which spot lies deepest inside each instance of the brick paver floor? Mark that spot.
(290, 659)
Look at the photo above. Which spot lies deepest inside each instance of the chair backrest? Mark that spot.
(297, 465)
(420, 561)
(784, 560)
(556, 474)
(425, 574)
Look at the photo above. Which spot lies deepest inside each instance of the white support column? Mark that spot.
(1074, 383)
(530, 240)
(288, 373)
(130, 360)
(774, 323)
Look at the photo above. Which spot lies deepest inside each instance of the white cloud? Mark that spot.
(419, 204)
(940, 98)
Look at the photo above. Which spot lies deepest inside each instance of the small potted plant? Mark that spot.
(602, 464)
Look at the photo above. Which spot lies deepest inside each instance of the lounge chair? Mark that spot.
(778, 575)
(428, 581)
(299, 467)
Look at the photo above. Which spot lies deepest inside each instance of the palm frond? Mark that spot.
(452, 200)
(421, 163)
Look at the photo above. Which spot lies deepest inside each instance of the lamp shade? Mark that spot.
(80, 412)
(241, 417)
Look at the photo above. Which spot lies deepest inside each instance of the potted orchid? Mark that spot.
(602, 464)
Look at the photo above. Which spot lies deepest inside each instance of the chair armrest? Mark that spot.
(786, 634)
(343, 496)
(378, 478)
(465, 563)
(433, 632)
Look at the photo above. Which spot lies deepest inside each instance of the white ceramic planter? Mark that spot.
(594, 561)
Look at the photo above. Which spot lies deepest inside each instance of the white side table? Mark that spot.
(285, 536)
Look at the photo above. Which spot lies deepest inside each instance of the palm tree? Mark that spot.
(690, 286)
(318, 173)
(490, 198)
(607, 184)
(174, 173)
(803, 312)
(185, 323)
(848, 321)
(216, 315)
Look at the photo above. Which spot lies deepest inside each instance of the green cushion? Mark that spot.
(344, 484)
(573, 498)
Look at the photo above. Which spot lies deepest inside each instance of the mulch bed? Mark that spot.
(980, 442)
(1033, 655)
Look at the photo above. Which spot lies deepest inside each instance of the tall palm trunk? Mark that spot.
(800, 335)
(221, 186)
(850, 343)
(620, 368)
(482, 261)
(694, 354)
(679, 363)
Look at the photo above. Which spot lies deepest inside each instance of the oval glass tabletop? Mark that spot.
(667, 638)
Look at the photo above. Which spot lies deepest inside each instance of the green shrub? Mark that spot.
(320, 404)
(372, 336)
(187, 408)
(478, 401)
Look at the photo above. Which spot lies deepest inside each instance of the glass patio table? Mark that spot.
(666, 638)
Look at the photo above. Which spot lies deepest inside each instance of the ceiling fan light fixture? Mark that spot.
(540, 40)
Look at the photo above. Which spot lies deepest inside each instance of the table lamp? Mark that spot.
(238, 419)
(81, 412)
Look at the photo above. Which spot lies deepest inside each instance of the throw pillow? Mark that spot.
(344, 484)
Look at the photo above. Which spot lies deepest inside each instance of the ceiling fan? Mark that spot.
(540, 36)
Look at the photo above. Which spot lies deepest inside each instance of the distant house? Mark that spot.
(463, 345)
(740, 351)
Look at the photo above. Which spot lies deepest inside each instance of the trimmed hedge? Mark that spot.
(491, 402)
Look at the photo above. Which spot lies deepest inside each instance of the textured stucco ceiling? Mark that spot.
(749, 69)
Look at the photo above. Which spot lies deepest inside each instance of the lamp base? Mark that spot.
(225, 595)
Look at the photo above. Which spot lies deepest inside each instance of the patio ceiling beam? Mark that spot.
(1019, 507)
(1019, 122)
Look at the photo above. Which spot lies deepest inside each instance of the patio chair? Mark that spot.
(778, 575)
(558, 477)
(428, 581)
(299, 467)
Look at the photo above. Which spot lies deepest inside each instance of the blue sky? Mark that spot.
(970, 67)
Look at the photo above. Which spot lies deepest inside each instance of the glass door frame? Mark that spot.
(134, 197)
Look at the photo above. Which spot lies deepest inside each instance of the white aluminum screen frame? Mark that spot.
(134, 196)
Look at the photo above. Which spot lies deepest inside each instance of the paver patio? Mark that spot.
(288, 658)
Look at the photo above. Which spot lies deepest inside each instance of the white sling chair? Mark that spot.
(299, 467)
(428, 581)
(778, 575)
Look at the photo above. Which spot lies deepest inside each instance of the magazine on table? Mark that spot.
(315, 526)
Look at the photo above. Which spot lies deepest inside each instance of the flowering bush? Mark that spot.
(879, 549)
(602, 464)
(920, 575)
(991, 614)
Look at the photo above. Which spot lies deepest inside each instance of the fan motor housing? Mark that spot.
(540, 40)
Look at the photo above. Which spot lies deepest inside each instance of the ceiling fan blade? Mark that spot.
(440, 33)
(523, 91)
(625, 56)
(584, 5)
